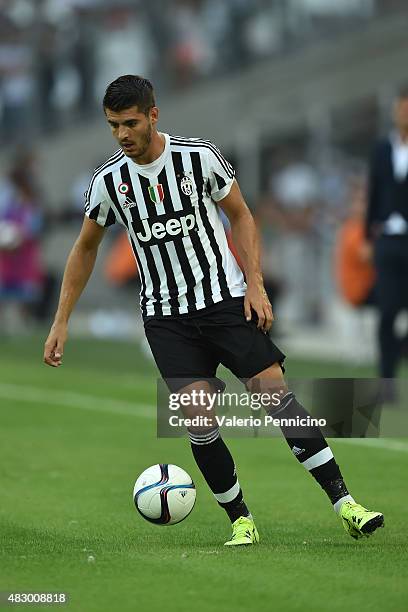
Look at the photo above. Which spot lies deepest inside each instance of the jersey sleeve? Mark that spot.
(97, 203)
(220, 174)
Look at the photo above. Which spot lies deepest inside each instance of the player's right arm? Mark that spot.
(78, 269)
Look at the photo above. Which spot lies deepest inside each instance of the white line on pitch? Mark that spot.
(55, 397)
(386, 443)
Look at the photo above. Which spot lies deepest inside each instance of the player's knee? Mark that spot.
(269, 382)
(196, 402)
(270, 379)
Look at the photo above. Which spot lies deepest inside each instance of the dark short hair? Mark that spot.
(127, 91)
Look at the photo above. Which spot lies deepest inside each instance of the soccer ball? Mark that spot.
(164, 494)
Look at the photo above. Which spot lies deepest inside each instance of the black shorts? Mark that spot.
(191, 347)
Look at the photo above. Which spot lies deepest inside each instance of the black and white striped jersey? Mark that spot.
(169, 210)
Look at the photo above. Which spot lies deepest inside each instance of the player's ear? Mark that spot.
(154, 114)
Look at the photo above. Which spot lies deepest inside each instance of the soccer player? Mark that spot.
(167, 191)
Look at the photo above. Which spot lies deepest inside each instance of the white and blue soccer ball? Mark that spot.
(164, 494)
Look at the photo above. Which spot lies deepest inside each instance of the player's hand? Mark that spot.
(257, 299)
(54, 345)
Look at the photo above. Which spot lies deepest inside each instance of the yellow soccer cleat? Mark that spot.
(244, 532)
(359, 521)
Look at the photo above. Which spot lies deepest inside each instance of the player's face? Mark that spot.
(132, 129)
(401, 114)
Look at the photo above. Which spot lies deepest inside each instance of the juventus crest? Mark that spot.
(186, 185)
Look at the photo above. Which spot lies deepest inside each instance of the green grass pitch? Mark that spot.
(73, 442)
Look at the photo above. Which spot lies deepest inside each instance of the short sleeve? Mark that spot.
(97, 204)
(220, 174)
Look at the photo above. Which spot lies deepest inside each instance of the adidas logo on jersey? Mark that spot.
(128, 203)
(297, 451)
(159, 231)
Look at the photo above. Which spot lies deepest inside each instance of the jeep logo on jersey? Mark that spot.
(166, 230)
(186, 185)
(156, 193)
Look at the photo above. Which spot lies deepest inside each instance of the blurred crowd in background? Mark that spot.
(56, 58)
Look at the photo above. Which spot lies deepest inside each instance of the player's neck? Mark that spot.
(156, 148)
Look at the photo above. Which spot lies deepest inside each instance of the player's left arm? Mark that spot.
(246, 240)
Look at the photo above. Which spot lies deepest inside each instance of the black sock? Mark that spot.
(311, 449)
(217, 466)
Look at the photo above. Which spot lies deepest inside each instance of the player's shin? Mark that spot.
(217, 466)
(310, 448)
